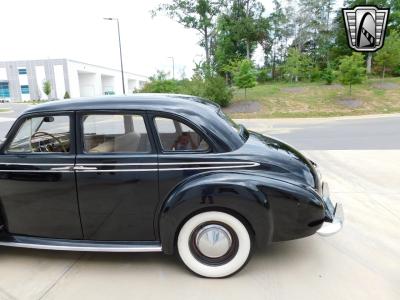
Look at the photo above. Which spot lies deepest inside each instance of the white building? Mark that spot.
(23, 80)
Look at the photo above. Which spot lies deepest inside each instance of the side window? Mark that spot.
(176, 136)
(48, 134)
(109, 133)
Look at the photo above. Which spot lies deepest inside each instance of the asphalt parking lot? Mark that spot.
(360, 262)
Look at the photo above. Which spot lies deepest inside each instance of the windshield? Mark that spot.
(239, 128)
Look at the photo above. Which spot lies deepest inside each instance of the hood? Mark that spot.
(280, 160)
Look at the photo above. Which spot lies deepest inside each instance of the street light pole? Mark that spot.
(120, 52)
(173, 66)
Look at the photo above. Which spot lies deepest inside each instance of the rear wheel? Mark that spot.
(214, 244)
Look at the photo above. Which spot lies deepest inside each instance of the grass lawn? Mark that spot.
(279, 100)
(4, 110)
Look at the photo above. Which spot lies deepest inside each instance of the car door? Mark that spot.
(184, 151)
(37, 181)
(117, 176)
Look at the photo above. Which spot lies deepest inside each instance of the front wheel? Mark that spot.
(214, 244)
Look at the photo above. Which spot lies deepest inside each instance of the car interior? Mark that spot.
(115, 133)
(43, 134)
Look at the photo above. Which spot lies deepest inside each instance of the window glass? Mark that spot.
(176, 136)
(22, 71)
(4, 90)
(25, 89)
(50, 134)
(115, 134)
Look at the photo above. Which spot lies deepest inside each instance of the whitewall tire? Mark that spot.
(214, 244)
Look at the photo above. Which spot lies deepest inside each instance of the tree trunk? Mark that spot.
(206, 47)
(350, 89)
(247, 49)
(369, 63)
(383, 72)
(273, 66)
(245, 93)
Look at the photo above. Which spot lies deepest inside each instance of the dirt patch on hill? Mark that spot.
(350, 103)
(293, 90)
(386, 85)
(334, 86)
(243, 107)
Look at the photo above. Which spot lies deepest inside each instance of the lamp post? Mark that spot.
(173, 66)
(120, 52)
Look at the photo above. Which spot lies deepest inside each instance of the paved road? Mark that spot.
(361, 262)
(371, 132)
(7, 118)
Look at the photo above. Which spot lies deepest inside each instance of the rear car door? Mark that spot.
(37, 181)
(117, 176)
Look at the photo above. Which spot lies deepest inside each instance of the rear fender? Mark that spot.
(239, 194)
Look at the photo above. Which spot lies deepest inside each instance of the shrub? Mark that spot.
(328, 75)
(213, 87)
(66, 95)
(315, 74)
(263, 75)
(216, 90)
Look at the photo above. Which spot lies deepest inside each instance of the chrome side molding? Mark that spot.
(84, 246)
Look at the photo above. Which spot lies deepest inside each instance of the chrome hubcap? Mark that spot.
(213, 241)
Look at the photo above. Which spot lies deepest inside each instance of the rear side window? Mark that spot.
(113, 133)
(47, 134)
(177, 136)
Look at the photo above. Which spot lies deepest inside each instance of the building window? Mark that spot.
(22, 71)
(4, 90)
(25, 89)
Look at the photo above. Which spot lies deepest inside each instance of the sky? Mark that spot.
(75, 29)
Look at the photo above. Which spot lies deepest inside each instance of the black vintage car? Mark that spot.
(149, 173)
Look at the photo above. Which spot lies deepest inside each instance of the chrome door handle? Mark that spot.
(83, 168)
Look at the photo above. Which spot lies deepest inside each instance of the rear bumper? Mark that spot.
(329, 228)
(334, 215)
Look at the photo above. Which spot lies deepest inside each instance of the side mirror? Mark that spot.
(48, 119)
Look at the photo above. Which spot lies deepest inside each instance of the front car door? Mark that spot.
(37, 181)
(117, 176)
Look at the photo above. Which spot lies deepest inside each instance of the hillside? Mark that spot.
(277, 100)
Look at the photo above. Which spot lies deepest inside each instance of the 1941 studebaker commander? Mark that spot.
(149, 173)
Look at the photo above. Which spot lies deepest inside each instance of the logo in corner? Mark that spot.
(366, 27)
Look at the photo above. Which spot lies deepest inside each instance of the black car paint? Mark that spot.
(279, 197)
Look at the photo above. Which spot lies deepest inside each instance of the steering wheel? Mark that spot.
(42, 133)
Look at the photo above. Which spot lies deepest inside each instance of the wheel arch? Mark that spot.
(240, 195)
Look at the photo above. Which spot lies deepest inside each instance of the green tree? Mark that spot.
(389, 55)
(352, 69)
(200, 15)
(244, 75)
(66, 95)
(279, 33)
(47, 88)
(297, 65)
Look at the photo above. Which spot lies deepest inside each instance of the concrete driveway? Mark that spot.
(361, 262)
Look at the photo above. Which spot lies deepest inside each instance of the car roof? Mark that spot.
(201, 112)
(131, 102)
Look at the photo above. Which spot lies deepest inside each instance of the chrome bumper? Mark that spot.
(329, 228)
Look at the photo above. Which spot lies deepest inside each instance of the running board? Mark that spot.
(78, 245)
